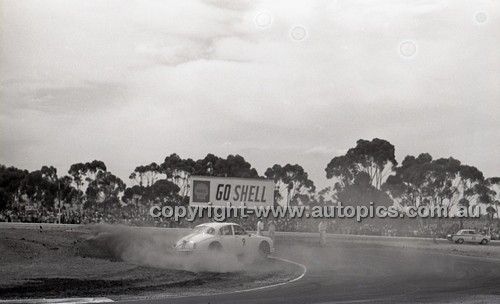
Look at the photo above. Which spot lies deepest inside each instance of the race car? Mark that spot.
(469, 236)
(224, 237)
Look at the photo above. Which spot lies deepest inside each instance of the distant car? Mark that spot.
(224, 237)
(469, 236)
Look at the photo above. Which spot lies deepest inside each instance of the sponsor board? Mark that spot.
(219, 191)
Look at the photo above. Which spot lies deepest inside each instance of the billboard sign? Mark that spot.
(218, 191)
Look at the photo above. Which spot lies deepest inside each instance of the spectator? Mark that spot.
(260, 226)
(322, 232)
(271, 228)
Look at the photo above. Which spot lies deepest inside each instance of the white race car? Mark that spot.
(468, 236)
(224, 237)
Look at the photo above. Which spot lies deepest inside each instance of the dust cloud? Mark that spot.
(153, 248)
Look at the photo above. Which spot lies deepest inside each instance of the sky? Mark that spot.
(130, 82)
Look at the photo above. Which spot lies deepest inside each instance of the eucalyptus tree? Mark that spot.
(376, 158)
(10, 186)
(84, 174)
(292, 183)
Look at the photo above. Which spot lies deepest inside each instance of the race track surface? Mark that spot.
(348, 272)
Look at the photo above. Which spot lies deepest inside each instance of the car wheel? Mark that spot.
(460, 241)
(264, 249)
(484, 242)
(215, 247)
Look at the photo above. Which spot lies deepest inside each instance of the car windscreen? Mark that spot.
(204, 229)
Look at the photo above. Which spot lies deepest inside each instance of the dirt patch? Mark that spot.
(117, 262)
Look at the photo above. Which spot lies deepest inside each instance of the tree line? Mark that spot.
(368, 172)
